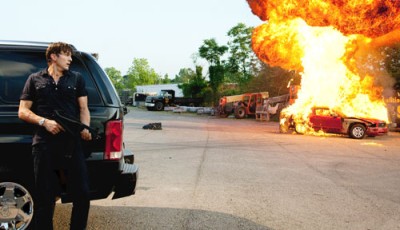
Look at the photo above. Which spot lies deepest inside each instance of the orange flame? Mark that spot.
(371, 18)
(328, 42)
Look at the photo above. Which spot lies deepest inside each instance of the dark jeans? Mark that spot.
(48, 186)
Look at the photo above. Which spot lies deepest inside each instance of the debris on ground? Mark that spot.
(179, 109)
(153, 126)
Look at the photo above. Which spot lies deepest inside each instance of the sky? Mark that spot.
(166, 33)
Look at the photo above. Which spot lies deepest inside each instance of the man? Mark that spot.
(59, 162)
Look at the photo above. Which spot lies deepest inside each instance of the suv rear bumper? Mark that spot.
(126, 182)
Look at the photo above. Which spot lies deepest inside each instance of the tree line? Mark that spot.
(233, 68)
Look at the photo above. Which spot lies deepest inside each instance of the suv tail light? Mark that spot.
(113, 150)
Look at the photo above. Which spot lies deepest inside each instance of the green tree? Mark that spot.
(184, 75)
(213, 53)
(195, 85)
(242, 62)
(274, 80)
(140, 73)
(115, 77)
(166, 79)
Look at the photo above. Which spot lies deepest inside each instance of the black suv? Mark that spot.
(111, 166)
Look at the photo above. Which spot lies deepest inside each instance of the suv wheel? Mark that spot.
(16, 206)
(357, 131)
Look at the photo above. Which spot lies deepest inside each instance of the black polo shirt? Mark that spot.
(47, 96)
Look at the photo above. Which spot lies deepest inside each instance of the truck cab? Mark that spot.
(163, 98)
(167, 97)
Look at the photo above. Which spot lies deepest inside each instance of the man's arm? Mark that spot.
(25, 113)
(84, 117)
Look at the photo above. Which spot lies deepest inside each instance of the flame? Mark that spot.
(367, 17)
(329, 42)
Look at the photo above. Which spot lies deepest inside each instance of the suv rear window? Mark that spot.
(16, 66)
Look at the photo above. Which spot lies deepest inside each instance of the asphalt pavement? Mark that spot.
(204, 172)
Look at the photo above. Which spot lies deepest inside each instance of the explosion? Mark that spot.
(333, 45)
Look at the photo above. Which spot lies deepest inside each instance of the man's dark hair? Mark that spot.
(58, 48)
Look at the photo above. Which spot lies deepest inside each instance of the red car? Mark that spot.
(329, 121)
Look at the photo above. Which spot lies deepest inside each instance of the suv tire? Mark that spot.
(17, 202)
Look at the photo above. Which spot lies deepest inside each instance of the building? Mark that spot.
(154, 89)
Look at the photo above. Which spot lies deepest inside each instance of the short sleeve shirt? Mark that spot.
(47, 96)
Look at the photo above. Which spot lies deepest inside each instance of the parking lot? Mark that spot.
(203, 172)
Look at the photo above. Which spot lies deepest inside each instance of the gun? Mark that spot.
(73, 126)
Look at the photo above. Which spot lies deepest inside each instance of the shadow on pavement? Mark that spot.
(128, 218)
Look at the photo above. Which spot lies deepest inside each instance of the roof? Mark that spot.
(28, 43)
(158, 88)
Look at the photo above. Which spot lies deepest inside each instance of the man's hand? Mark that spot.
(86, 135)
(52, 126)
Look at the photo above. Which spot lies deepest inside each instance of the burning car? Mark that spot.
(335, 48)
(329, 121)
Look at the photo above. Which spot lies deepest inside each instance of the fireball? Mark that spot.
(334, 45)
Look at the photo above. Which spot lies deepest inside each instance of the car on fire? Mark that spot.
(330, 121)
